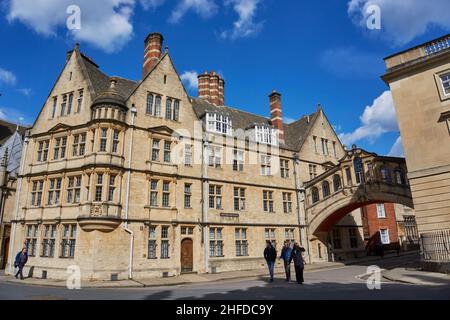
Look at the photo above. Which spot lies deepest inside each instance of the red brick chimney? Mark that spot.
(152, 52)
(211, 87)
(276, 113)
(221, 99)
(214, 88)
(203, 86)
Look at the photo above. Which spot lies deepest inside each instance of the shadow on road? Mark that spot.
(314, 290)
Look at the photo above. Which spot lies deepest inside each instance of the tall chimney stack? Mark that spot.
(214, 88)
(203, 86)
(276, 113)
(221, 99)
(152, 52)
(211, 87)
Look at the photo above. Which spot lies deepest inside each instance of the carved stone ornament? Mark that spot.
(96, 211)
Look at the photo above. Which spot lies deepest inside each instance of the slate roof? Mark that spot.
(101, 81)
(13, 148)
(241, 119)
(295, 133)
(7, 129)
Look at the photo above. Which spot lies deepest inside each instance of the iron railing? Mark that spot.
(435, 246)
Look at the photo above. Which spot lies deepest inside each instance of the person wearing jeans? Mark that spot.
(286, 256)
(270, 254)
(20, 262)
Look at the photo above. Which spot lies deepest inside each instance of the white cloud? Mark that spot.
(350, 62)
(7, 77)
(403, 20)
(12, 115)
(190, 79)
(397, 149)
(25, 91)
(105, 24)
(245, 26)
(377, 119)
(205, 8)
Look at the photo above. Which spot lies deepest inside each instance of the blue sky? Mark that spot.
(310, 51)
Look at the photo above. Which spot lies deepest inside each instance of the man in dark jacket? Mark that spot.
(286, 256)
(299, 264)
(270, 254)
(20, 262)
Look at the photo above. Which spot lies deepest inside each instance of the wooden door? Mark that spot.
(6, 254)
(187, 255)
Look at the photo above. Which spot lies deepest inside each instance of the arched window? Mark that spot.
(359, 170)
(337, 183)
(386, 174)
(326, 189)
(400, 176)
(315, 195)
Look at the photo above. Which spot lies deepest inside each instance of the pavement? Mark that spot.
(410, 275)
(416, 276)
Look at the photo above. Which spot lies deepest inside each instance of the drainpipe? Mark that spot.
(301, 206)
(18, 194)
(127, 196)
(3, 187)
(205, 203)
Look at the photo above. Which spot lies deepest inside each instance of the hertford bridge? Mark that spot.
(360, 178)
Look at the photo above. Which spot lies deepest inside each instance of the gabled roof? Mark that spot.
(295, 133)
(7, 129)
(101, 82)
(12, 149)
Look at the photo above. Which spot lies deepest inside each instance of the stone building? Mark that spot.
(138, 179)
(11, 142)
(419, 79)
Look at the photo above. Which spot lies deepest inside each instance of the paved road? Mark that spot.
(338, 283)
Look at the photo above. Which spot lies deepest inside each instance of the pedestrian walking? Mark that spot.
(20, 262)
(270, 254)
(286, 256)
(299, 263)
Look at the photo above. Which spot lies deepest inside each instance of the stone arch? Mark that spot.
(325, 214)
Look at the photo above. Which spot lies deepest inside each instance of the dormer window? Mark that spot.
(219, 123)
(266, 135)
(446, 83)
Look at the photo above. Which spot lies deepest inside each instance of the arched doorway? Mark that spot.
(187, 255)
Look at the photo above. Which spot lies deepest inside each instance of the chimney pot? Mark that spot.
(152, 52)
(211, 87)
